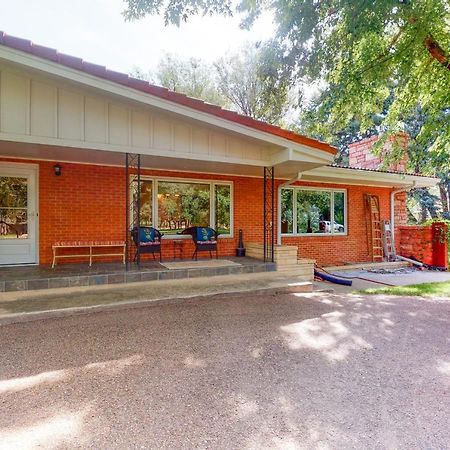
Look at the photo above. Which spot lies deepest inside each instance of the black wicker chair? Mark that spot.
(149, 241)
(205, 240)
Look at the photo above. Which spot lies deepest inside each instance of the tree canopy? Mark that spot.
(191, 77)
(242, 81)
(365, 51)
(246, 80)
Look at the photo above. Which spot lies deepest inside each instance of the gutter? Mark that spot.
(280, 187)
(393, 194)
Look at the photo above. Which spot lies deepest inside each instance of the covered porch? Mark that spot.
(60, 194)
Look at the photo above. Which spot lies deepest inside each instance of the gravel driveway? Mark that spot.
(317, 371)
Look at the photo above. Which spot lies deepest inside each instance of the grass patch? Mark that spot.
(424, 289)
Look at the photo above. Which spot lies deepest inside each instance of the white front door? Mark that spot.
(18, 213)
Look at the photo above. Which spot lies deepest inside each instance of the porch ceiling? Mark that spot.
(283, 169)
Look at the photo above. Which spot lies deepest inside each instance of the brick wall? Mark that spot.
(400, 213)
(428, 243)
(87, 202)
(360, 153)
(416, 241)
(337, 250)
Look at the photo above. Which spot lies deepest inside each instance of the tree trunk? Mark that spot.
(423, 213)
(436, 51)
(443, 190)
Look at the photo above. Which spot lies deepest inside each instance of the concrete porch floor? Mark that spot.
(23, 278)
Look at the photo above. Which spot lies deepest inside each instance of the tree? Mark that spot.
(423, 159)
(243, 81)
(13, 206)
(176, 11)
(363, 50)
(192, 77)
(246, 80)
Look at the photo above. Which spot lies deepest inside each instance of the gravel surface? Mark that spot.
(316, 371)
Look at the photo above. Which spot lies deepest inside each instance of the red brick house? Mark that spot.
(67, 126)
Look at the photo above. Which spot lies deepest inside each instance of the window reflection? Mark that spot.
(13, 208)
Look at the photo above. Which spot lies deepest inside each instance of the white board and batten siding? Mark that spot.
(39, 109)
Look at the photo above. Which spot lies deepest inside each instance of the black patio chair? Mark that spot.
(205, 240)
(149, 241)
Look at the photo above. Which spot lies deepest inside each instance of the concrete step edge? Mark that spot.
(274, 288)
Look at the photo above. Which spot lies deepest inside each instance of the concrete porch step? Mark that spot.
(22, 306)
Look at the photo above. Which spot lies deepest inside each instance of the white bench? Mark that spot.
(89, 246)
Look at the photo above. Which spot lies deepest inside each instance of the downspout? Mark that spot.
(280, 187)
(393, 194)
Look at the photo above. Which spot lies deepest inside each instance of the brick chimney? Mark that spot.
(360, 153)
(361, 156)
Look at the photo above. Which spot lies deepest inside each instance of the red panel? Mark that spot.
(117, 77)
(440, 245)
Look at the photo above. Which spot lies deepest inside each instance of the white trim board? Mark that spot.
(326, 175)
(361, 177)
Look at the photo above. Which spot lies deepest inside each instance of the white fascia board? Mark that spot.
(55, 69)
(304, 155)
(298, 154)
(341, 175)
(280, 156)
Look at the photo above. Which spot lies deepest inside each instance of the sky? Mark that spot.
(96, 31)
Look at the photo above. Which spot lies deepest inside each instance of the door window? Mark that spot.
(13, 208)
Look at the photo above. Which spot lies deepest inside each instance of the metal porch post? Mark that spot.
(269, 213)
(132, 204)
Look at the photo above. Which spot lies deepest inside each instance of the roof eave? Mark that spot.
(352, 176)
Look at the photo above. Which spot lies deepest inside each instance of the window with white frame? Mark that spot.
(306, 211)
(171, 205)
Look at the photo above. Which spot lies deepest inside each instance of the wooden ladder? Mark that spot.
(373, 226)
(388, 241)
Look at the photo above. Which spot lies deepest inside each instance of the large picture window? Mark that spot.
(146, 202)
(173, 205)
(311, 211)
(182, 205)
